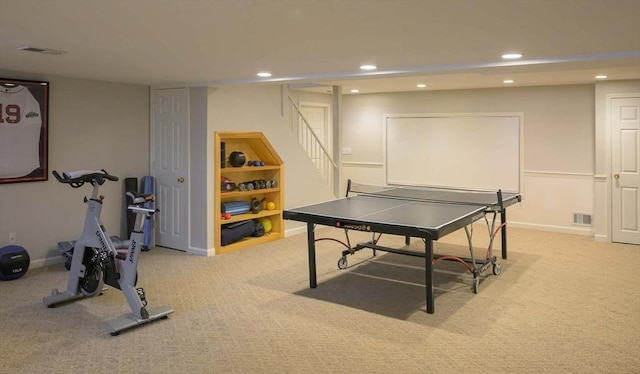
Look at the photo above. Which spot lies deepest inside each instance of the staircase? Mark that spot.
(311, 143)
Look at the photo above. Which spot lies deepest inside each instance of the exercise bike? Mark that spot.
(96, 261)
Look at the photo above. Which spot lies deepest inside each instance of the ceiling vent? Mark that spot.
(46, 51)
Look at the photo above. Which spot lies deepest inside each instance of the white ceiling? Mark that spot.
(446, 44)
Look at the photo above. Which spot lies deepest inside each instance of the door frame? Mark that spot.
(152, 150)
(609, 158)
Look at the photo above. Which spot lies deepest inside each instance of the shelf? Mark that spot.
(246, 216)
(249, 242)
(225, 195)
(231, 169)
(255, 146)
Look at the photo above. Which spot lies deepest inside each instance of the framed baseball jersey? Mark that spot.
(23, 130)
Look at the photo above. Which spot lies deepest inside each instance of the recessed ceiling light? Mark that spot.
(368, 67)
(511, 56)
(355, 91)
(264, 74)
(508, 81)
(46, 51)
(421, 85)
(602, 76)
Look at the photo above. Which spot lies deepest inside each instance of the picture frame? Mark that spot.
(24, 129)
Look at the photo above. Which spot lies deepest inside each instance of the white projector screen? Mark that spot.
(474, 151)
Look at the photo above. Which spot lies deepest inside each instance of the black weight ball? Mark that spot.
(237, 159)
(259, 229)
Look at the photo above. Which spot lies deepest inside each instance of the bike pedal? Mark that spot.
(141, 294)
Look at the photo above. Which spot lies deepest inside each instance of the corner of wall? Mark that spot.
(201, 251)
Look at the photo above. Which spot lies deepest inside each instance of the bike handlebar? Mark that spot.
(77, 178)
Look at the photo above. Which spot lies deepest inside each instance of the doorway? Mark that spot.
(624, 121)
(170, 166)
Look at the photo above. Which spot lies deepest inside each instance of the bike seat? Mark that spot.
(140, 198)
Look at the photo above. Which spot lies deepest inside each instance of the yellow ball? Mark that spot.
(266, 223)
(271, 205)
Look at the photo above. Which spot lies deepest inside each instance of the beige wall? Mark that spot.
(106, 125)
(559, 147)
(92, 125)
(260, 108)
(557, 121)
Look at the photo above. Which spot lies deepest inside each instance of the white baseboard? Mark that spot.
(551, 228)
(522, 225)
(295, 231)
(201, 251)
(46, 262)
(602, 238)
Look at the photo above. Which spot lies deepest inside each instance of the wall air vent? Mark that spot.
(46, 51)
(582, 219)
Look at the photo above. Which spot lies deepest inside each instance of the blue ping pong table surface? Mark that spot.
(406, 211)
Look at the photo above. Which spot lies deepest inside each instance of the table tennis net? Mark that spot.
(427, 194)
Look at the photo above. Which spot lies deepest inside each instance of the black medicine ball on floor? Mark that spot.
(237, 159)
(14, 262)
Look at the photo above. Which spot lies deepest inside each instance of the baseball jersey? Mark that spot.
(20, 123)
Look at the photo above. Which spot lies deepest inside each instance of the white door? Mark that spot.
(625, 169)
(317, 116)
(170, 166)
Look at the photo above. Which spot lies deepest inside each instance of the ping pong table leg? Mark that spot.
(428, 260)
(503, 232)
(311, 244)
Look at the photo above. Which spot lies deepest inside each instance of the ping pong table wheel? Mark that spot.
(342, 262)
(496, 269)
(476, 284)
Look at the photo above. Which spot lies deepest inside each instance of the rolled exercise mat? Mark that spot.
(147, 230)
(233, 232)
(130, 185)
(235, 207)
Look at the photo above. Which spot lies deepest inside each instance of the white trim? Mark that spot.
(601, 238)
(522, 225)
(551, 228)
(47, 261)
(201, 251)
(170, 86)
(363, 164)
(557, 174)
(295, 231)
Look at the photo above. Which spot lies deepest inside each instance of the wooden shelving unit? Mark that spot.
(255, 146)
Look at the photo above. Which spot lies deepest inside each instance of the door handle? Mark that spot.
(181, 180)
(616, 176)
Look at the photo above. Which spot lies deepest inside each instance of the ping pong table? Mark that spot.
(426, 213)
